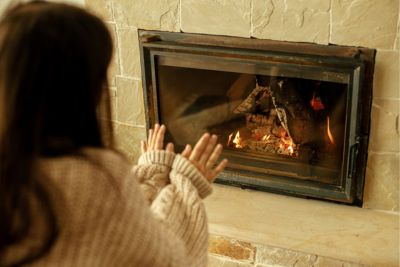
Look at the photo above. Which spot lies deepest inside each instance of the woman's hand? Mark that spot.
(155, 141)
(204, 155)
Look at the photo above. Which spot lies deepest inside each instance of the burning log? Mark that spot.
(249, 104)
(254, 120)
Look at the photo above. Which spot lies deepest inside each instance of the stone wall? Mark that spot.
(367, 23)
(229, 252)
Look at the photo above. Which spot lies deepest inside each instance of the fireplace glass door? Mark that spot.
(288, 123)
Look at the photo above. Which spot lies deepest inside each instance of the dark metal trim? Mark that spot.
(260, 56)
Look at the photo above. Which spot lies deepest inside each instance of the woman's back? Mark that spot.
(103, 218)
(66, 198)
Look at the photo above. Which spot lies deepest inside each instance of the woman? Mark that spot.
(66, 197)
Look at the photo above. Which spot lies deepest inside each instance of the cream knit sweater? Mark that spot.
(111, 214)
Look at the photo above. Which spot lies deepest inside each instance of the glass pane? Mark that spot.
(296, 124)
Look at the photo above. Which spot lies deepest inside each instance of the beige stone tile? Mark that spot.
(113, 102)
(384, 134)
(113, 69)
(102, 8)
(382, 180)
(397, 41)
(149, 15)
(386, 75)
(129, 52)
(328, 262)
(367, 23)
(216, 17)
(127, 140)
(350, 234)
(273, 256)
(296, 20)
(130, 103)
(232, 248)
(214, 261)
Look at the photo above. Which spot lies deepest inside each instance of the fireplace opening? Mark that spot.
(293, 118)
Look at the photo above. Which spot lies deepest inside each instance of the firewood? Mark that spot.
(241, 87)
(248, 105)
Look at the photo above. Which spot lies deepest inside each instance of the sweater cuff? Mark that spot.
(187, 169)
(160, 157)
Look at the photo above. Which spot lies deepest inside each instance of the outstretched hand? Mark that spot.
(155, 141)
(203, 156)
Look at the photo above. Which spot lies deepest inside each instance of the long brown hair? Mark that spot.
(53, 86)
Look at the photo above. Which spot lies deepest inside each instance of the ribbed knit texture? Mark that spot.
(111, 214)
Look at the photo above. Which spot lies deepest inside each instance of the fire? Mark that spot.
(229, 139)
(288, 145)
(328, 131)
(266, 137)
(262, 141)
(316, 103)
(291, 150)
(237, 140)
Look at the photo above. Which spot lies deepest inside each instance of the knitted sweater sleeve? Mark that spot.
(177, 230)
(152, 172)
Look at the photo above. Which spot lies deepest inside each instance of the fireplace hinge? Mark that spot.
(353, 157)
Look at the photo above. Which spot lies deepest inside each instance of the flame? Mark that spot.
(266, 137)
(229, 139)
(291, 150)
(237, 140)
(328, 131)
(316, 103)
(288, 145)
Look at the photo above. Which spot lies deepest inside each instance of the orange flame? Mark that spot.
(237, 140)
(328, 131)
(288, 145)
(229, 139)
(266, 137)
(316, 103)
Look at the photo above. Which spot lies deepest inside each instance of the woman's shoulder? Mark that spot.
(86, 166)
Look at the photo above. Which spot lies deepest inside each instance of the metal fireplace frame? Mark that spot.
(260, 57)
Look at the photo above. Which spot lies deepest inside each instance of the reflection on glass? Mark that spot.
(258, 116)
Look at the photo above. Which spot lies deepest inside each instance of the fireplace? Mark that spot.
(293, 117)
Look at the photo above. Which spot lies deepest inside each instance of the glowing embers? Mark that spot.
(259, 140)
(316, 103)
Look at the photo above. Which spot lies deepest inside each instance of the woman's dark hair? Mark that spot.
(53, 101)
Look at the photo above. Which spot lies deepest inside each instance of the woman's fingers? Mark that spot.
(199, 147)
(170, 147)
(154, 136)
(159, 140)
(150, 138)
(143, 145)
(186, 152)
(214, 156)
(221, 166)
(204, 156)
(155, 140)
(208, 150)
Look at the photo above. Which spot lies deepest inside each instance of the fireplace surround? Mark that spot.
(293, 117)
